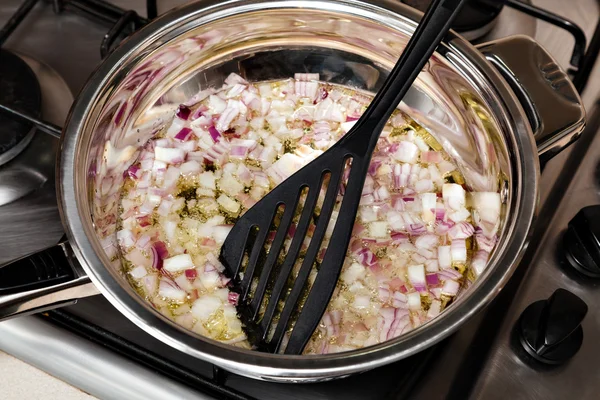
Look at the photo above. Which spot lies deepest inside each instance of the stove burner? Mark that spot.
(19, 89)
(476, 18)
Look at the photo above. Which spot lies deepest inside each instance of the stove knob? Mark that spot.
(550, 330)
(582, 241)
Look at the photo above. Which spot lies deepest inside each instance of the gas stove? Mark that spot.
(47, 50)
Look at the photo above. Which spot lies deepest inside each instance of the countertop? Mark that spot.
(21, 381)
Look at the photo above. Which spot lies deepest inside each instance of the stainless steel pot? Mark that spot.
(497, 110)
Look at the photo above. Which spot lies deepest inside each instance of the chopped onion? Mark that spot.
(125, 238)
(450, 288)
(483, 242)
(431, 157)
(454, 196)
(432, 279)
(178, 263)
(444, 257)
(183, 112)
(462, 230)
(168, 155)
(414, 301)
(226, 148)
(479, 262)
(206, 306)
(426, 241)
(184, 134)
(416, 276)
(407, 152)
(458, 250)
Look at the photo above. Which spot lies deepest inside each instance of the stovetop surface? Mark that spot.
(477, 360)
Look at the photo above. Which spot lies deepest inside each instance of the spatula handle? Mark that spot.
(428, 35)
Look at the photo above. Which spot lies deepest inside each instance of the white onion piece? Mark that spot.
(486, 211)
(169, 155)
(479, 262)
(347, 126)
(138, 272)
(450, 288)
(416, 276)
(229, 185)
(169, 289)
(424, 185)
(444, 257)
(234, 78)
(458, 249)
(190, 168)
(428, 204)
(352, 273)
(220, 233)
(453, 195)
(379, 229)
(207, 180)
(426, 241)
(231, 111)
(228, 204)
(216, 104)
(204, 307)
(125, 238)
(362, 302)
(400, 300)
(414, 301)
(178, 263)
(407, 152)
(434, 309)
(306, 77)
(461, 215)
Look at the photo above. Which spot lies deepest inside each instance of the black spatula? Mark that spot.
(261, 276)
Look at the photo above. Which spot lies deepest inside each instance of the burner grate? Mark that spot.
(19, 88)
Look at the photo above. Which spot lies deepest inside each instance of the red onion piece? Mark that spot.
(432, 279)
(144, 221)
(159, 253)
(366, 257)
(440, 213)
(461, 230)
(416, 229)
(233, 298)
(321, 95)
(483, 242)
(214, 134)
(449, 273)
(133, 172)
(183, 112)
(191, 274)
(184, 134)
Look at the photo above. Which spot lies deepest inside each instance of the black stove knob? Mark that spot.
(582, 241)
(550, 330)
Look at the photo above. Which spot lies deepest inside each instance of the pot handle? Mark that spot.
(42, 281)
(551, 102)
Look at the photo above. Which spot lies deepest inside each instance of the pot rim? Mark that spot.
(525, 177)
